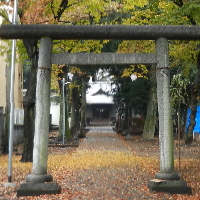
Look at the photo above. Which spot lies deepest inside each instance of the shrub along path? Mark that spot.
(104, 166)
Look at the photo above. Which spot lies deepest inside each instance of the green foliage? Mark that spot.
(135, 93)
(184, 53)
(5, 50)
(140, 95)
(192, 8)
(138, 70)
(179, 89)
(55, 99)
(26, 73)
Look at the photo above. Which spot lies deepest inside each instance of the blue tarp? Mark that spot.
(197, 119)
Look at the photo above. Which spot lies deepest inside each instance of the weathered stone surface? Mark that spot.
(172, 187)
(114, 32)
(164, 107)
(41, 137)
(103, 58)
(167, 176)
(36, 189)
(35, 178)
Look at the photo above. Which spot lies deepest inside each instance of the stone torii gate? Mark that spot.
(39, 182)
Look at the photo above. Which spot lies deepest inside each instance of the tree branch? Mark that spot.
(63, 6)
(54, 16)
(179, 3)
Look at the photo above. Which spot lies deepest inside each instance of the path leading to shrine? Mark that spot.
(105, 168)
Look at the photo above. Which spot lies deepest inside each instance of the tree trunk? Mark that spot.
(29, 102)
(193, 104)
(150, 121)
(126, 120)
(61, 115)
(72, 128)
(68, 135)
(83, 108)
(189, 136)
(29, 127)
(183, 117)
(75, 112)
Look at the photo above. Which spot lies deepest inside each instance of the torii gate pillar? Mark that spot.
(39, 182)
(166, 180)
(165, 112)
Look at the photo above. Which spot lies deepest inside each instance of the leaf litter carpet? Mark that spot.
(105, 166)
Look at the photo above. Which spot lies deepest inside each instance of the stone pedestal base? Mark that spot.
(37, 178)
(169, 186)
(168, 176)
(36, 189)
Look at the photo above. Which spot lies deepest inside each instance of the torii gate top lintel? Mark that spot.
(100, 32)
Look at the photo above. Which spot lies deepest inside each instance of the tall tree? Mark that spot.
(151, 116)
(75, 108)
(64, 102)
(185, 53)
(180, 93)
(83, 106)
(194, 92)
(34, 12)
(191, 10)
(29, 101)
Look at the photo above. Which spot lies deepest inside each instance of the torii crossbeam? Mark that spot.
(100, 32)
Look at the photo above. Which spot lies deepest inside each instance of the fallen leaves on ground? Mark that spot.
(109, 167)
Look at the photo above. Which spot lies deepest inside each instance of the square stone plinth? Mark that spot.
(36, 189)
(169, 186)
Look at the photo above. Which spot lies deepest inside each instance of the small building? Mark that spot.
(100, 104)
